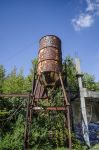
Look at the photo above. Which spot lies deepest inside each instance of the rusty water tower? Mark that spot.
(49, 72)
(49, 60)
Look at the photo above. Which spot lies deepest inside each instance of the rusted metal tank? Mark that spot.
(49, 58)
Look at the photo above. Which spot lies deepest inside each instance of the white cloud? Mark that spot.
(83, 21)
(86, 19)
(93, 6)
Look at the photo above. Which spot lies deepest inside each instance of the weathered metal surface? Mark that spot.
(58, 108)
(40, 93)
(49, 53)
(50, 40)
(50, 57)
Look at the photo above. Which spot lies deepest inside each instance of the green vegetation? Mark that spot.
(47, 130)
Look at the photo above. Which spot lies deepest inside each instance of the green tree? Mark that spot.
(69, 70)
(97, 84)
(14, 82)
(89, 82)
(2, 77)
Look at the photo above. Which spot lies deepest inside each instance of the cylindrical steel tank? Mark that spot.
(49, 58)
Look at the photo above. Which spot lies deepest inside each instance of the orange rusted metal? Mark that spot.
(49, 59)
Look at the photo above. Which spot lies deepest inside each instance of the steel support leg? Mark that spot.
(27, 124)
(67, 113)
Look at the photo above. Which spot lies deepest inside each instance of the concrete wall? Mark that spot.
(92, 109)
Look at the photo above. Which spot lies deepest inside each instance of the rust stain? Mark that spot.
(50, 55)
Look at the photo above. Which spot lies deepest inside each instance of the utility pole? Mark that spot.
(82, 104)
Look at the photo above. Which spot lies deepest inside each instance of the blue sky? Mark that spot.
(24, 22)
